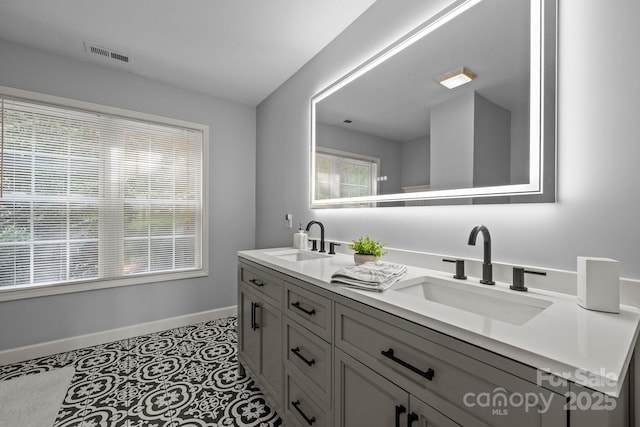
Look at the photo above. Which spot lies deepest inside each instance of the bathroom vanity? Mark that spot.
(429, 351)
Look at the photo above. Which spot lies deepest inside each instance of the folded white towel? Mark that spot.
(370, 276)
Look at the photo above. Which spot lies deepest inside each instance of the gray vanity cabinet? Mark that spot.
(249, 338)
(309, 358)
(422, 415)
(308, 355)
(260, 330)
(323, 359)
(466, 390)
(302, 406)
(364, 398)
(260, 341)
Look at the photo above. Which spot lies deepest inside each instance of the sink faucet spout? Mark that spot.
(321, 233)
(487, 267)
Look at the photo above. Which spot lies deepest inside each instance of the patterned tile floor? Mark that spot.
(180, 377)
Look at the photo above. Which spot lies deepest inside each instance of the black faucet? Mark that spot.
(321, 233)
(487, 268)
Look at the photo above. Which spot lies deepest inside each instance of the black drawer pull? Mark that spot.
(253, 317)
(296, 351)
(296, 404)
(254, 321)
(302, 309)
(411, 418)
(428, 374)
(400, 409)
(257, 282)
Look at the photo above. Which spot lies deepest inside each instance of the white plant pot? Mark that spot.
(361, 258)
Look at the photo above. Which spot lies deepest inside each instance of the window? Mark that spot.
(340, 174)
(91, 196)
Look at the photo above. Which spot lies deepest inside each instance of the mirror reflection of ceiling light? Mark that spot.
(455, 78)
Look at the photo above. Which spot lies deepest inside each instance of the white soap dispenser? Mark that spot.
(300, 239)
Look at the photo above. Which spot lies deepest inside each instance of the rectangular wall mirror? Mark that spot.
(462, 110)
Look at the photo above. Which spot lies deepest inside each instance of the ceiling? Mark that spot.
(394, 100)
(240, 50)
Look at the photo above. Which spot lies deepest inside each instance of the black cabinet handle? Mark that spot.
(253, 317)
(257, 282)
(400, 409)
(254, 322)
(302, 309)
(428, 374)
(296, 404)
(296, 351)
(411, 418)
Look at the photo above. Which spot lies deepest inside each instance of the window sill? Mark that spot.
(9, 293)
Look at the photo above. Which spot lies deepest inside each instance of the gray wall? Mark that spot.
(491, 143)
(519, 147)
(598, 202)
(452, 125)
(231, 209)
(415, 162)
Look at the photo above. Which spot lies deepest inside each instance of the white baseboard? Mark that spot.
(20, 354)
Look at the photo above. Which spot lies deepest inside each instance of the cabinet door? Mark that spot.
(423, 415)
(249, 338)
(364, 398)
(269, 322)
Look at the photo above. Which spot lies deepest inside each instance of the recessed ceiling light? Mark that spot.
(456, 78)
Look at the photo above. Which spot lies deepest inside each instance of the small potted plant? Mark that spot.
(367, 250)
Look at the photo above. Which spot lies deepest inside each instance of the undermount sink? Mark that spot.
(504, 306)
(297, 255)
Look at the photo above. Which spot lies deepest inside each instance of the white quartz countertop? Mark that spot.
(586, 347)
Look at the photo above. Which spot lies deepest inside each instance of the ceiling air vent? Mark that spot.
(99, 51)
(107, 53)
(119, 57)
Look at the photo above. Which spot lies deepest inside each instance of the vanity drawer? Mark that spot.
(302, 407)
(262, 283)
(439, 376)
(309, 309)
(309, 356)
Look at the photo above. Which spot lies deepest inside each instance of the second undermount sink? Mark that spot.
(297, 255)
(507, 307)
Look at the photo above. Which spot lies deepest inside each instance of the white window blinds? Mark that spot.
(92, 196)
(342, 175)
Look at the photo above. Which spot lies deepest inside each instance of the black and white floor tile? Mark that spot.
(183, 377)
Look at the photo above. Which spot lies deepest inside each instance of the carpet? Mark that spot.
(34, 400)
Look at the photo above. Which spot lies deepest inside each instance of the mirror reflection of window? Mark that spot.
(341, 174)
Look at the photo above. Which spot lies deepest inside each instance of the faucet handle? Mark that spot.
(314, 244)
(518, 278)
(459, 268)
(332, 247)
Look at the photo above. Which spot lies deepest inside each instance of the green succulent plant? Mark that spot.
(366, 246)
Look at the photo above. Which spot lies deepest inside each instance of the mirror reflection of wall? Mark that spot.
(416, 162)
(470, 143)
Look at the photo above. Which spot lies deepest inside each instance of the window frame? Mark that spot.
(9, 293)
(355, 158)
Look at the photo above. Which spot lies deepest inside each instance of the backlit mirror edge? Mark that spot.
(543, 187)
